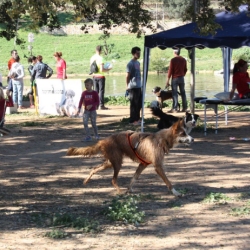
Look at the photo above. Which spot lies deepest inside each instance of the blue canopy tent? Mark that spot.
(235, 33)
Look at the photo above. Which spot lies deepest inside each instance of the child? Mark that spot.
(3, 104)
(90, 101)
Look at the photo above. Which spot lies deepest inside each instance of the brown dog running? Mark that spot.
(163, 95)
(144, 148)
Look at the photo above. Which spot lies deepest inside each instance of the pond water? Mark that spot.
(206, 85)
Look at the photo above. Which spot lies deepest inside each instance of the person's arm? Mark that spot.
(102, 68)
(96, 100)
(232, 91)
(127, 79)
(50, 72)
(63, 65)
(81, 102)
(33, 73)
(22, 73)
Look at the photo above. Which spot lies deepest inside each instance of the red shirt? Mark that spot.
(89, 98)
(241, 79)
(9, 103)
(177, 67)
(10, 62)
(60, 66)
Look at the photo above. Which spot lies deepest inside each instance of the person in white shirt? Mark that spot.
(16, 74)
(99, 77)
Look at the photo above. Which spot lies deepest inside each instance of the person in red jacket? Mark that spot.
(3, 104)
(12, 60)
(90, 100)
(177, 70)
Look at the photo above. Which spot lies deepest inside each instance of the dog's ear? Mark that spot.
(177, 126)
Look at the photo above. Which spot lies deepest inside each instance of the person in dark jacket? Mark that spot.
(40, 69)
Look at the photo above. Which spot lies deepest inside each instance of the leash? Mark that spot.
(135, 148)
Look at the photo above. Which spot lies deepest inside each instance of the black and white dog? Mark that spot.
(167, 121)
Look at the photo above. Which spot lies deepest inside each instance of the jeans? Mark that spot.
(99, 86)
(17, 92)
(179, 82)
(135, 96)
(92, 115)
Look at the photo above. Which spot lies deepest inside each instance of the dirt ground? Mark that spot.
(38, 180)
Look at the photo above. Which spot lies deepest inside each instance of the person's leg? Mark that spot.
(15, 93)
(96, 84)
(86, 116)
(183, 93)
(174, 85)
(138, 99)
(133, 103)
(93, 122)
(20, 93)
(101, 91)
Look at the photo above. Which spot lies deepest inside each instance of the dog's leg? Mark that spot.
(98, 168)
(114, 179)
(161, 173)
(139, 170)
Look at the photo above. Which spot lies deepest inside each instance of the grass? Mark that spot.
(77, 50)
(216, 198)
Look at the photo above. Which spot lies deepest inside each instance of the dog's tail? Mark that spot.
(157, 112)
(86, 151)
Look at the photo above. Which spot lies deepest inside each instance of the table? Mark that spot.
(214, 102)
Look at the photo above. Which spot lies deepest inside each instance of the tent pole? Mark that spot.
(144, 82)
(192, 80)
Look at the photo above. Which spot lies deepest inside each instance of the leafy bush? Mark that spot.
(158, 61)
(241, 53)
(56, 234)
(124, 209)
(79, 223)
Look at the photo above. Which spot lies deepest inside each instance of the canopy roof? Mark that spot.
(235, 33)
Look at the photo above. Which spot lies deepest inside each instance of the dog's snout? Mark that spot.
(189, 139)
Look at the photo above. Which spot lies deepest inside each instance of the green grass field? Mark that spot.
(77, 50)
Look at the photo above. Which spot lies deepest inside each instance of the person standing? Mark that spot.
(90, 101)
(16, 74)
(177, 70)
(40, 69)
(32, 61)
(240, 80)
(60, 66)
(3, 104)
(14, 54)
(99, 76)
(133, 81)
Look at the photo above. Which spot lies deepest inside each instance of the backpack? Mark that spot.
(93, 68)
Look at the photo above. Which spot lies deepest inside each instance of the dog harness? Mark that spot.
(134, 149)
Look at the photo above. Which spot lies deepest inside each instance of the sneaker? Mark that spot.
(87, 138)
(103, 108)
(173, 111)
